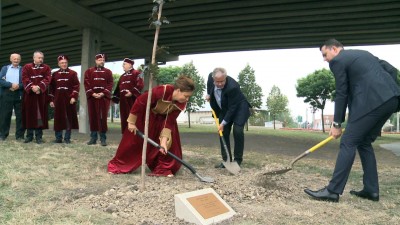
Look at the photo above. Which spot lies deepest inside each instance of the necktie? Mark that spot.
(218, 96)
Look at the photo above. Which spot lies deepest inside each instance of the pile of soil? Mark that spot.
(246, 192)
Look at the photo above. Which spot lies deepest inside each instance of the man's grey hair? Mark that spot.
(219, 69)
(15, 54)
(37, 51)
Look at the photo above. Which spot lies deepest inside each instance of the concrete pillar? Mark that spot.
(91, 44)
(146, 77)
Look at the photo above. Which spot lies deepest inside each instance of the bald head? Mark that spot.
(15, 59)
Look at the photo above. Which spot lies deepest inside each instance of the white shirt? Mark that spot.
(12, 75)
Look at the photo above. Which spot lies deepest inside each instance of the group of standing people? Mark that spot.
(24, 90)
(29, 90)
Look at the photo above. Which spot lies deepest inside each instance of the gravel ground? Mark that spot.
(156, 204)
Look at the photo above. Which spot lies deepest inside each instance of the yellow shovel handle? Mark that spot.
(322, 143)
(216, 122)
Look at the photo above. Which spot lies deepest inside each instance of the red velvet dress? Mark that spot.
(64, 86)
(130, 81)
(98, 80)
(34, 107)
(129, 153)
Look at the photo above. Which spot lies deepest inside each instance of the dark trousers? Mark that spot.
(59, 135)
(359, 135)
(38, 134)
(9, 101)
(238, 136)
(94, 136)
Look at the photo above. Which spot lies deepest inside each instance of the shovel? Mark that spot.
(204, 179)
(315, 147)
(232, 167)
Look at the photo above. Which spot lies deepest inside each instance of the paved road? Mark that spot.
(290, 147)
(394, 147)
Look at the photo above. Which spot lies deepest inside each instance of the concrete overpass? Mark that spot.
(120, 28)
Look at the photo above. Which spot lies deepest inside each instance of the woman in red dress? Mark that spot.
(167, 102)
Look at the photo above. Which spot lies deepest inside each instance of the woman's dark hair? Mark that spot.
(184, 84)
(330, 43)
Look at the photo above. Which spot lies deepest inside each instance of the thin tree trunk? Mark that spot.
(112, 113)
(274, 122)
(189, 118)
(146, 123)
(323, 121)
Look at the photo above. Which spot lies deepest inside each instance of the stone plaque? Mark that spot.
(202, 207)
(208, 205)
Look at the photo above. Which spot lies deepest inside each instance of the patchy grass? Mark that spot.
(68, 184)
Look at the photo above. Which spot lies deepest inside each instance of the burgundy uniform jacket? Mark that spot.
(64, 86)
(128, 82)
(34, 108)
(98, 80)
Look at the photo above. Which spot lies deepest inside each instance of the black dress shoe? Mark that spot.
(92, 142)
(366, 195)
(58, 141)
(103, 143)
(67, 141)
(19, 138)
(219, 166)
(324, 195)
(27, 140)
(39, 141)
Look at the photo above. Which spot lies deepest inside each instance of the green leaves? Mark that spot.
(151, 69)
(277, 102)
(197, 99)
(168, 74)
(316, 88)
(249, 87)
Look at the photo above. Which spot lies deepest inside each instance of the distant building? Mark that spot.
(270, 124)
(198, 117)
(317, 123)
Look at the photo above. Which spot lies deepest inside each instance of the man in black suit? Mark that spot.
(366, 86)
(231, 107)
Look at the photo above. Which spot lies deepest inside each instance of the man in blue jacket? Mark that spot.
(366, 86)
(11, 90)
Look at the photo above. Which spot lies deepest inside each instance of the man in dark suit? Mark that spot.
(232, 109)
(365, 85)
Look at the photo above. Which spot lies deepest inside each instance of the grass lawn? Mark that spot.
(53, 183)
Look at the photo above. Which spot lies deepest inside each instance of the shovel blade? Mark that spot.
(205, 179)
(276, 172)
(232, 167)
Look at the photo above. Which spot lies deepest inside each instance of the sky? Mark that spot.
(281, 68)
